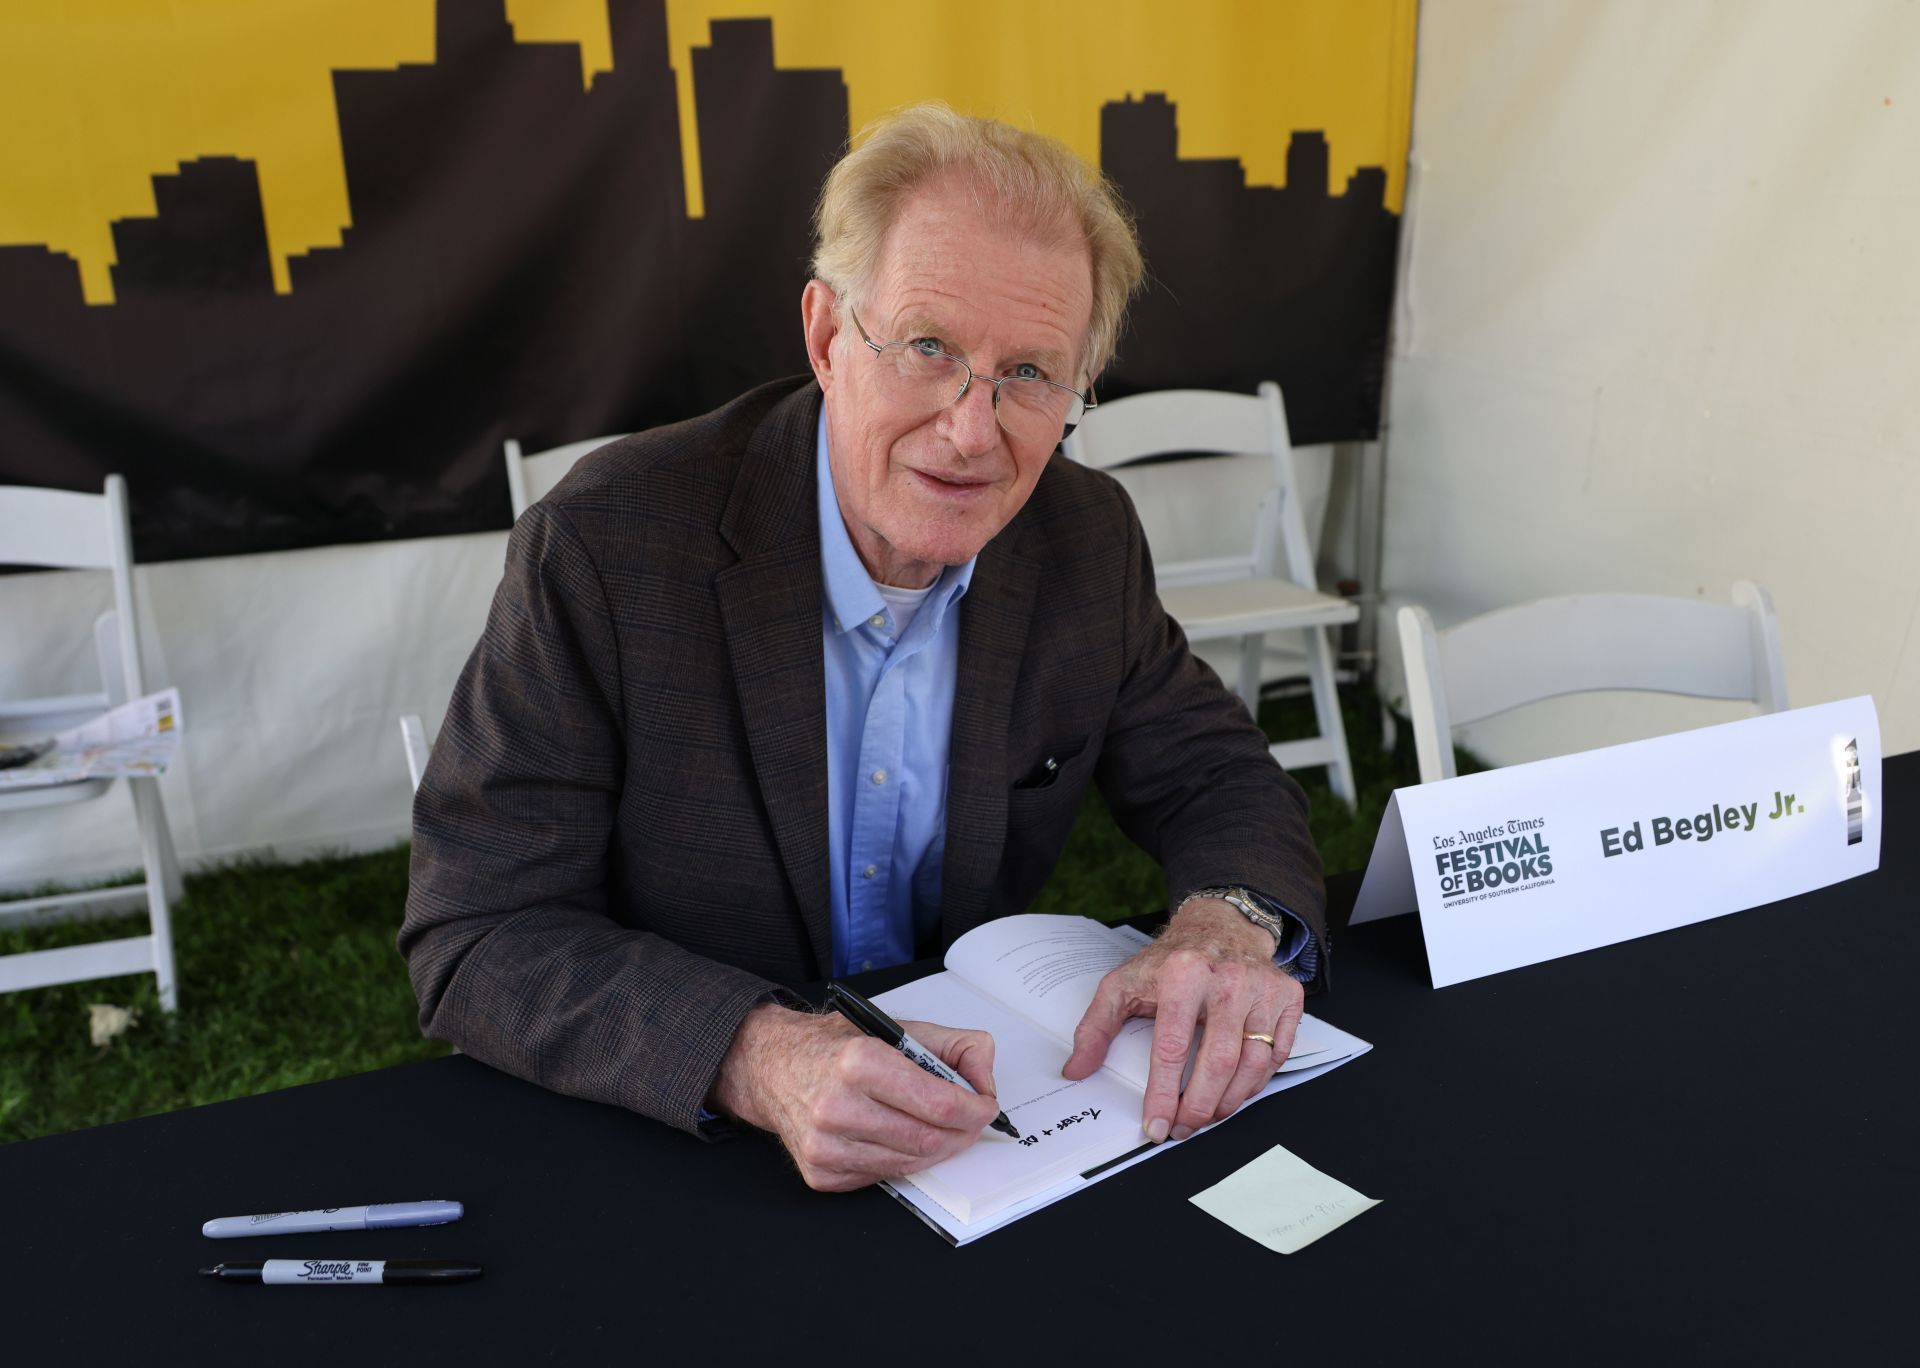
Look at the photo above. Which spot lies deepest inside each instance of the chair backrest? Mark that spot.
(1121, 432)
(531, 477)
(58, 529)
(1585, 643)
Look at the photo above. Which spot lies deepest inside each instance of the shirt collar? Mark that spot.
(851, 597)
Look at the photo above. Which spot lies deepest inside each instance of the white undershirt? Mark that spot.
(904, 603)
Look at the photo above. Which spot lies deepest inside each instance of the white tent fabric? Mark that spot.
(292, 669)
(1658, 329)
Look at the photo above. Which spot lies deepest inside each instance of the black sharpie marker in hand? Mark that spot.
(876, 1023)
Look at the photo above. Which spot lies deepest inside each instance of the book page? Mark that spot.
(1046, 968)
(1065, 1127)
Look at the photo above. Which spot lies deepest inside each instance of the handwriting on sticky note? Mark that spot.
(1282, 1201)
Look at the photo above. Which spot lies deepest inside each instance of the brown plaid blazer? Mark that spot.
(620, 844)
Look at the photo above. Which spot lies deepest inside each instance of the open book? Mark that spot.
(1027, 981)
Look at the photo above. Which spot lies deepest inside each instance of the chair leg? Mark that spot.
(1326, 711)
(169, 857)
(1252, 652)
(152, 818)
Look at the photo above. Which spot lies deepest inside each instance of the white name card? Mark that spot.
(1529, 863)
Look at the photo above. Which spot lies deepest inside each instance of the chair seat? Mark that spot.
(1247, 607)
(29, 719)
(53, 795)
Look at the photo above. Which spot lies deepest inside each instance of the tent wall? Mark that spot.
(1659, 329)
(293, 667)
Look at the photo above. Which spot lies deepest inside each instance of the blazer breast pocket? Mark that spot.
(1052, 765)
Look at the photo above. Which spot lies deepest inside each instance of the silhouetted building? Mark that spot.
(767, 140)
(1308, 158)
(208, 234)
(1251, 283)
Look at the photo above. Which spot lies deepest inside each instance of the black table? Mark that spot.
(1703, 1146)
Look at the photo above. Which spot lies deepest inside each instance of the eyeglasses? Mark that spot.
(918, 374)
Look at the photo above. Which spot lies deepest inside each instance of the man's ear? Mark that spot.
(820, 320)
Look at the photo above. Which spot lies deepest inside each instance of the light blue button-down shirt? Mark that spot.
(889, 720)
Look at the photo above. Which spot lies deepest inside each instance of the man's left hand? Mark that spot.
(1211, 970)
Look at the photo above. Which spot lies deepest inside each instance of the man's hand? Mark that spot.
(1210, 966)
(849, 1109)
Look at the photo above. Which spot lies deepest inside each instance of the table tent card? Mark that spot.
(1529, 863)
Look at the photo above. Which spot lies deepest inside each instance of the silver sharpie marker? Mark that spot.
(381, 1216)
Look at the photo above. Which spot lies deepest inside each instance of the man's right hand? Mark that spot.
(849, 1109)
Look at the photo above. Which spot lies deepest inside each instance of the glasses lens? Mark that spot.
(921, 377)
(1033, 408)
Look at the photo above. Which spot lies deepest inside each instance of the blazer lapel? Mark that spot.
(994, 617)
(770, 604)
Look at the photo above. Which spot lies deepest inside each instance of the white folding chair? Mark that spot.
(1584, 643)
(1267, 587)
(57, 529)
(413, 736)
(531, 477)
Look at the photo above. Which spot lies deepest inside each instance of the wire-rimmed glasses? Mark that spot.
(919, 374)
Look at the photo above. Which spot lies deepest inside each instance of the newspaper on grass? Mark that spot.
(136, 740)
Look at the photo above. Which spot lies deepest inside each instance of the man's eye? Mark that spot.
(1026, 370)
(927, 346)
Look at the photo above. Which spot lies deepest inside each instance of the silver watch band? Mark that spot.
(1249, 907)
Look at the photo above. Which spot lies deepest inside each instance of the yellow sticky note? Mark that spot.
(1282, 1201)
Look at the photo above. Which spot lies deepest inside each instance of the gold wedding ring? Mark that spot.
(1255, 1035)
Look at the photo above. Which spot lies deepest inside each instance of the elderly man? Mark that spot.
(817, 682)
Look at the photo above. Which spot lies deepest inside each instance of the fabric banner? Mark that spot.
(297, 271)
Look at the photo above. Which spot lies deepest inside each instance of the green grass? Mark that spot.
(288, 972)
(288, 975)
(1102, 874)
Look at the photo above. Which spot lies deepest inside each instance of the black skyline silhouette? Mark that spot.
(521, 264)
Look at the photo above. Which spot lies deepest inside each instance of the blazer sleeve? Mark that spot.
(514, 953)
(1187, 772)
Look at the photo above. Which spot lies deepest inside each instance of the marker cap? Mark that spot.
(382, 1215)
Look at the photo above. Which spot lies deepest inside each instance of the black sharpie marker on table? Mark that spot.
(345, 1272)
(876, 1023)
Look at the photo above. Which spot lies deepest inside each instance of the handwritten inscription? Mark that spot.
(1034, 1137)
(1322, 1212)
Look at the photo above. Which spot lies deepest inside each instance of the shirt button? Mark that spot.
(869, 871)
(866, 964)
(880, 776)
(877, 620)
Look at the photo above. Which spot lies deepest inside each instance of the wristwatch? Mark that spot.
(1249, 907)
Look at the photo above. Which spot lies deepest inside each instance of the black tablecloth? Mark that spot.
(1700, 1146)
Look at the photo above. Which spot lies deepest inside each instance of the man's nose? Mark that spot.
(972, 425)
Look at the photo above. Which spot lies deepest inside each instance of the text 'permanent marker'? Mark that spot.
(380, 1216)
(880, 1026)
(345, 1272)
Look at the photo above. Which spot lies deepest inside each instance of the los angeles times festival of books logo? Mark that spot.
(1504, 857)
